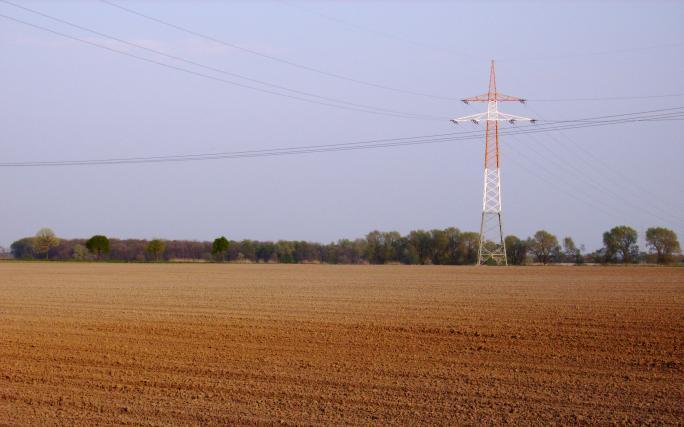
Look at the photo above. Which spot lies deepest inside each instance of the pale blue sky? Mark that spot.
(65, 100)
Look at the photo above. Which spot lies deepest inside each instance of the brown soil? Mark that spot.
(317, 344)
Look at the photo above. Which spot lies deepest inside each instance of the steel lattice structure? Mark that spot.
(492, 246)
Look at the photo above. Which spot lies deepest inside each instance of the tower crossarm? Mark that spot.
(494, 115)
(499, 97)
(475, 118)
(512, 118)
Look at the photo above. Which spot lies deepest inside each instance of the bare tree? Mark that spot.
(80, 252)
(571, 251)
(44, 240)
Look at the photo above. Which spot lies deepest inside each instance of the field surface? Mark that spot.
(325, 345)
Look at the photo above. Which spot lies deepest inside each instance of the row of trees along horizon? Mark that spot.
(446, 247)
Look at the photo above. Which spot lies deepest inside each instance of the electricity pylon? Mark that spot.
(492, 245)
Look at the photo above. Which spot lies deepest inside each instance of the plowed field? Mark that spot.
(315, 344)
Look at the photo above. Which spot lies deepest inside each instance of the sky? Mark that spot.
(64, 99)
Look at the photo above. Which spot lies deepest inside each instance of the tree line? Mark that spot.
(449, 246)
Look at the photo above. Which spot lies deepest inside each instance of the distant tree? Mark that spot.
(543, 245)
(248, 250)
(184, 249)
(516, 250)
(306, 252)
(469, 243)
(284, 252)
(621, 242)
(374, 250)
(383, 247)
(664, 242)
(80, 252)
(44, 240)
(346, 251)
(424, 246)
(392, 245)
(339, 252)
(219, 248)
(439, 247)
(444, 246)
(356, 251)
(453, 254)
(155, 248)
(98, 245)
(127, 250)
(266, 252)
(572, 253)
(22, 248)
(409, 253)
(598, 256)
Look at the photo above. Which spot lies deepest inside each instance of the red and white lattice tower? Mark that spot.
(492, 245)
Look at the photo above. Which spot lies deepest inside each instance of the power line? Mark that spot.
(295, 149)
(384, 34)
(207, 67)
(595, 118)
(550, 179)
(274, 152)
(330, 74)
(597, 185)
(588, 155)
(510, 59)
(663, 114)
(361, 107)
(300, 149)
(275, 58)
(607, 98)
(554, 179)
(222, 80)
(628, 190)
(595, 53)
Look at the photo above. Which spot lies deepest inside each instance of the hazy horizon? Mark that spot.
(66, 100)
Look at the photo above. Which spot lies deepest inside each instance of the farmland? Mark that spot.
(195, 344)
